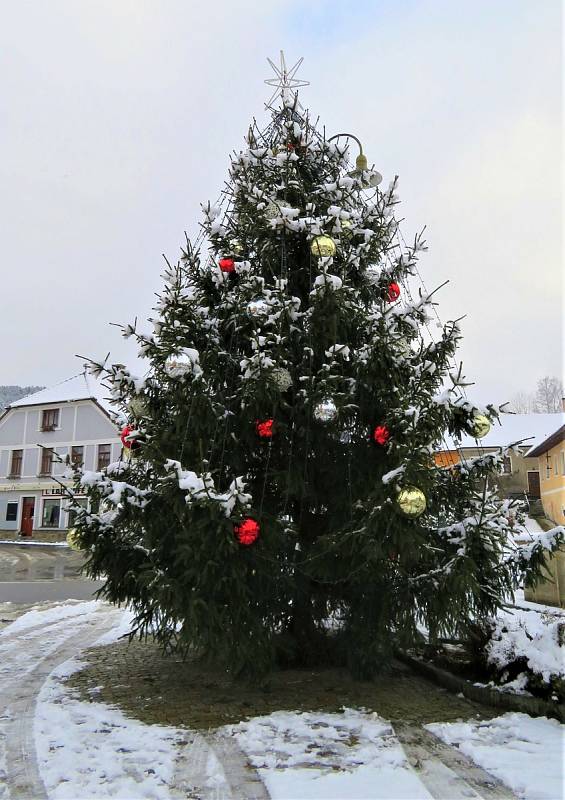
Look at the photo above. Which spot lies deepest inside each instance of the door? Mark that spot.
(28, 510)
(533, 483)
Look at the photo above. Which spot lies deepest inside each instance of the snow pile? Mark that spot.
(77, 610)
(524, 753)
(92, 750)
(123, 628)
(315, 755)
(530, 637)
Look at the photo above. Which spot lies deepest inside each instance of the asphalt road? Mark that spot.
(32, 574)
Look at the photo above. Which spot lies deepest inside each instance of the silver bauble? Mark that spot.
(326, 411)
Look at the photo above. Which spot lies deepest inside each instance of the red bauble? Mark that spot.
(264, 428)
(129, 444)
(247, 531)
(381, 434)
(393, 292)
(227, 264)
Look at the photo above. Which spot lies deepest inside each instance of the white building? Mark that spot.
(68, 419)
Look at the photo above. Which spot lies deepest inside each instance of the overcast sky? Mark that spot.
(117, 117)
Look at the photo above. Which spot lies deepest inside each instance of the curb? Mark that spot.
(21, 543)
(482, 694)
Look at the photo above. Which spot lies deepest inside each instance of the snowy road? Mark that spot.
(28, 653)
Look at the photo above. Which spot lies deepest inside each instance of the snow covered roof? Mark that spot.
(514, 427)
(539, 448)
(79, 387)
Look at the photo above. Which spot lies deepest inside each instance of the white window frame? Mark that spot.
(59, 417)
(50, 527)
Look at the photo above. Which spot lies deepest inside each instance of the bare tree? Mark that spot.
(548, 395)
(523, 403)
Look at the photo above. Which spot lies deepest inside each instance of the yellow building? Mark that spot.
(551, 460)
(519, 473)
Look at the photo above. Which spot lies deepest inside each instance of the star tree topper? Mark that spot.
(285, 81)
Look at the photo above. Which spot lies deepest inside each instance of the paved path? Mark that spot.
(27, 657)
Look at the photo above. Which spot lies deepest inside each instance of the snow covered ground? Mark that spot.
(523, 752)
(354, 754)
(89, 750)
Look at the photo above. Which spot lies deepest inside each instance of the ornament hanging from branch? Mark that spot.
(480, 426)
(326, 411)
(411, 501)
(138, 407)
(257, 307)
(73, 539)
(271, 210)
(281, 378)
(265, 428)
(392, 292)
(346, 228)
(246, 531)
(236, 247)
(227, 264)
(323, 247)
(130, 438)
(381, 434)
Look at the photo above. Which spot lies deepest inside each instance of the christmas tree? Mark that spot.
(278, 500)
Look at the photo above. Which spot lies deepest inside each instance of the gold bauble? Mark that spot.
(72, 539)
(480, 426)
(236, 247)
(323, 246)
(411, 501)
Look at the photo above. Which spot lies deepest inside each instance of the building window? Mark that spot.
(547, 468)
(50, 419)
(506, 466)
(46, 461)
(104, 455)
(11, 512)
(563, 462)
(82, 501)
(51, 513)
(16, 464)
(555, 465)
(77, 456)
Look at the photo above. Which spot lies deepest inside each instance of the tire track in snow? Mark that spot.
(446, 773)
(214, 767)
(27, 657)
